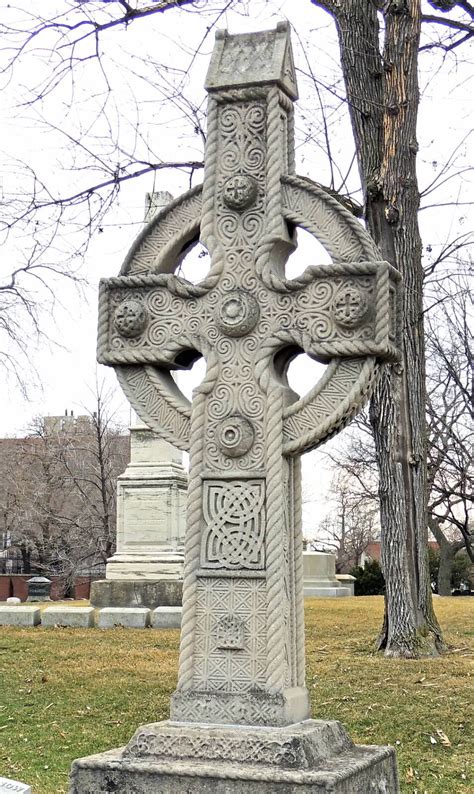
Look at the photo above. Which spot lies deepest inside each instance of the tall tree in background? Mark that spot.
(383, 95)
(450, 412)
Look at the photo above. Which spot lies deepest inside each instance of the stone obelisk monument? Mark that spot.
(240, 717)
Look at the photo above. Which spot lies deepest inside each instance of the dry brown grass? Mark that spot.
(69, 692)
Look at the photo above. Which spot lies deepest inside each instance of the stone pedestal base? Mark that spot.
(319, 576)
(150, 567)
(133, 593)
(177, 758)
(316, 591)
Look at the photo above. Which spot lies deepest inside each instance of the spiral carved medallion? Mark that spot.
(237, 313)
(236, 436)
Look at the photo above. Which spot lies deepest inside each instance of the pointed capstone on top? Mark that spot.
(253, 59)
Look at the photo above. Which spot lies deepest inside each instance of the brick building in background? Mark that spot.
(58, 496)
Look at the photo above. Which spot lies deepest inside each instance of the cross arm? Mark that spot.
(345, 309)
(147, 320)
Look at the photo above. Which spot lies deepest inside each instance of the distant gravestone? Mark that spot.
(241, 715)
(13, 787)
(319, 576)
(147, 567)
(39, 588)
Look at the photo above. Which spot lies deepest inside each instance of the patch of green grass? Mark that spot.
(67, 693)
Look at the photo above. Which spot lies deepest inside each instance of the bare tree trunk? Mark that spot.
(447, 552)
(382, 91)
(25, 559)
(445, 570)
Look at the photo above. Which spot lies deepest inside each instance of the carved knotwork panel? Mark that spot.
(234, 518)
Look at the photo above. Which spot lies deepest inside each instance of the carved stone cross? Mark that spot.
(242, 641)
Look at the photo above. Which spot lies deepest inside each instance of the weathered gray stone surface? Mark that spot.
(132, 618)
(116, 593)
(166, 618)
(242, 636)
(75, 617)
(20, 616)
(151, 501)
(242, 627)
(315, 756)
(8, 786)
(319, 576)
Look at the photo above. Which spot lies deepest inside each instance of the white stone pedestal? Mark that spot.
(319, 576)
(147, 567)
(151, 501)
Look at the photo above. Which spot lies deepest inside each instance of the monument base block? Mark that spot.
(136, 593)
(178, 758)
(257, 708)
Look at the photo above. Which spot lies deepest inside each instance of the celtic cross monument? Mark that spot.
(240, 717)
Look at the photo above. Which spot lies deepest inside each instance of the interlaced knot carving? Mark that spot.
(233, 512)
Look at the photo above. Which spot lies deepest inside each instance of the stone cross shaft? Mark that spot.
(242, 641)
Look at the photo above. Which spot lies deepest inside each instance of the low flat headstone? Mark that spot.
(20, 616)
(130, 618)
(166, 618)
(75, 617)
(13, 786)
(347, 581)
(13, 600)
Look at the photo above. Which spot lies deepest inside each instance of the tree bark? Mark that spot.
(382, 92)
(446, 559)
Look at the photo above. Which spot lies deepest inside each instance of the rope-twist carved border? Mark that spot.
(157, 220)
(273, 191)
(193, 526)
(298, 572)
(181, 441)
(369, 249)
(274, 542)
(382, 305)
(347, 409)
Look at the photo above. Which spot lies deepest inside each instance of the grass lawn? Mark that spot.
(66, 693)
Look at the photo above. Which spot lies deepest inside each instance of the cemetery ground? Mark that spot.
(67, 693)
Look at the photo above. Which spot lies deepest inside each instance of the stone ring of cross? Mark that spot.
(340, 314)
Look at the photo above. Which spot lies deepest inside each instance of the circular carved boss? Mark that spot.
(349, 306)
(239, 192)
(235, 436)
(237, 313)
(347, 382)
(130, 318)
